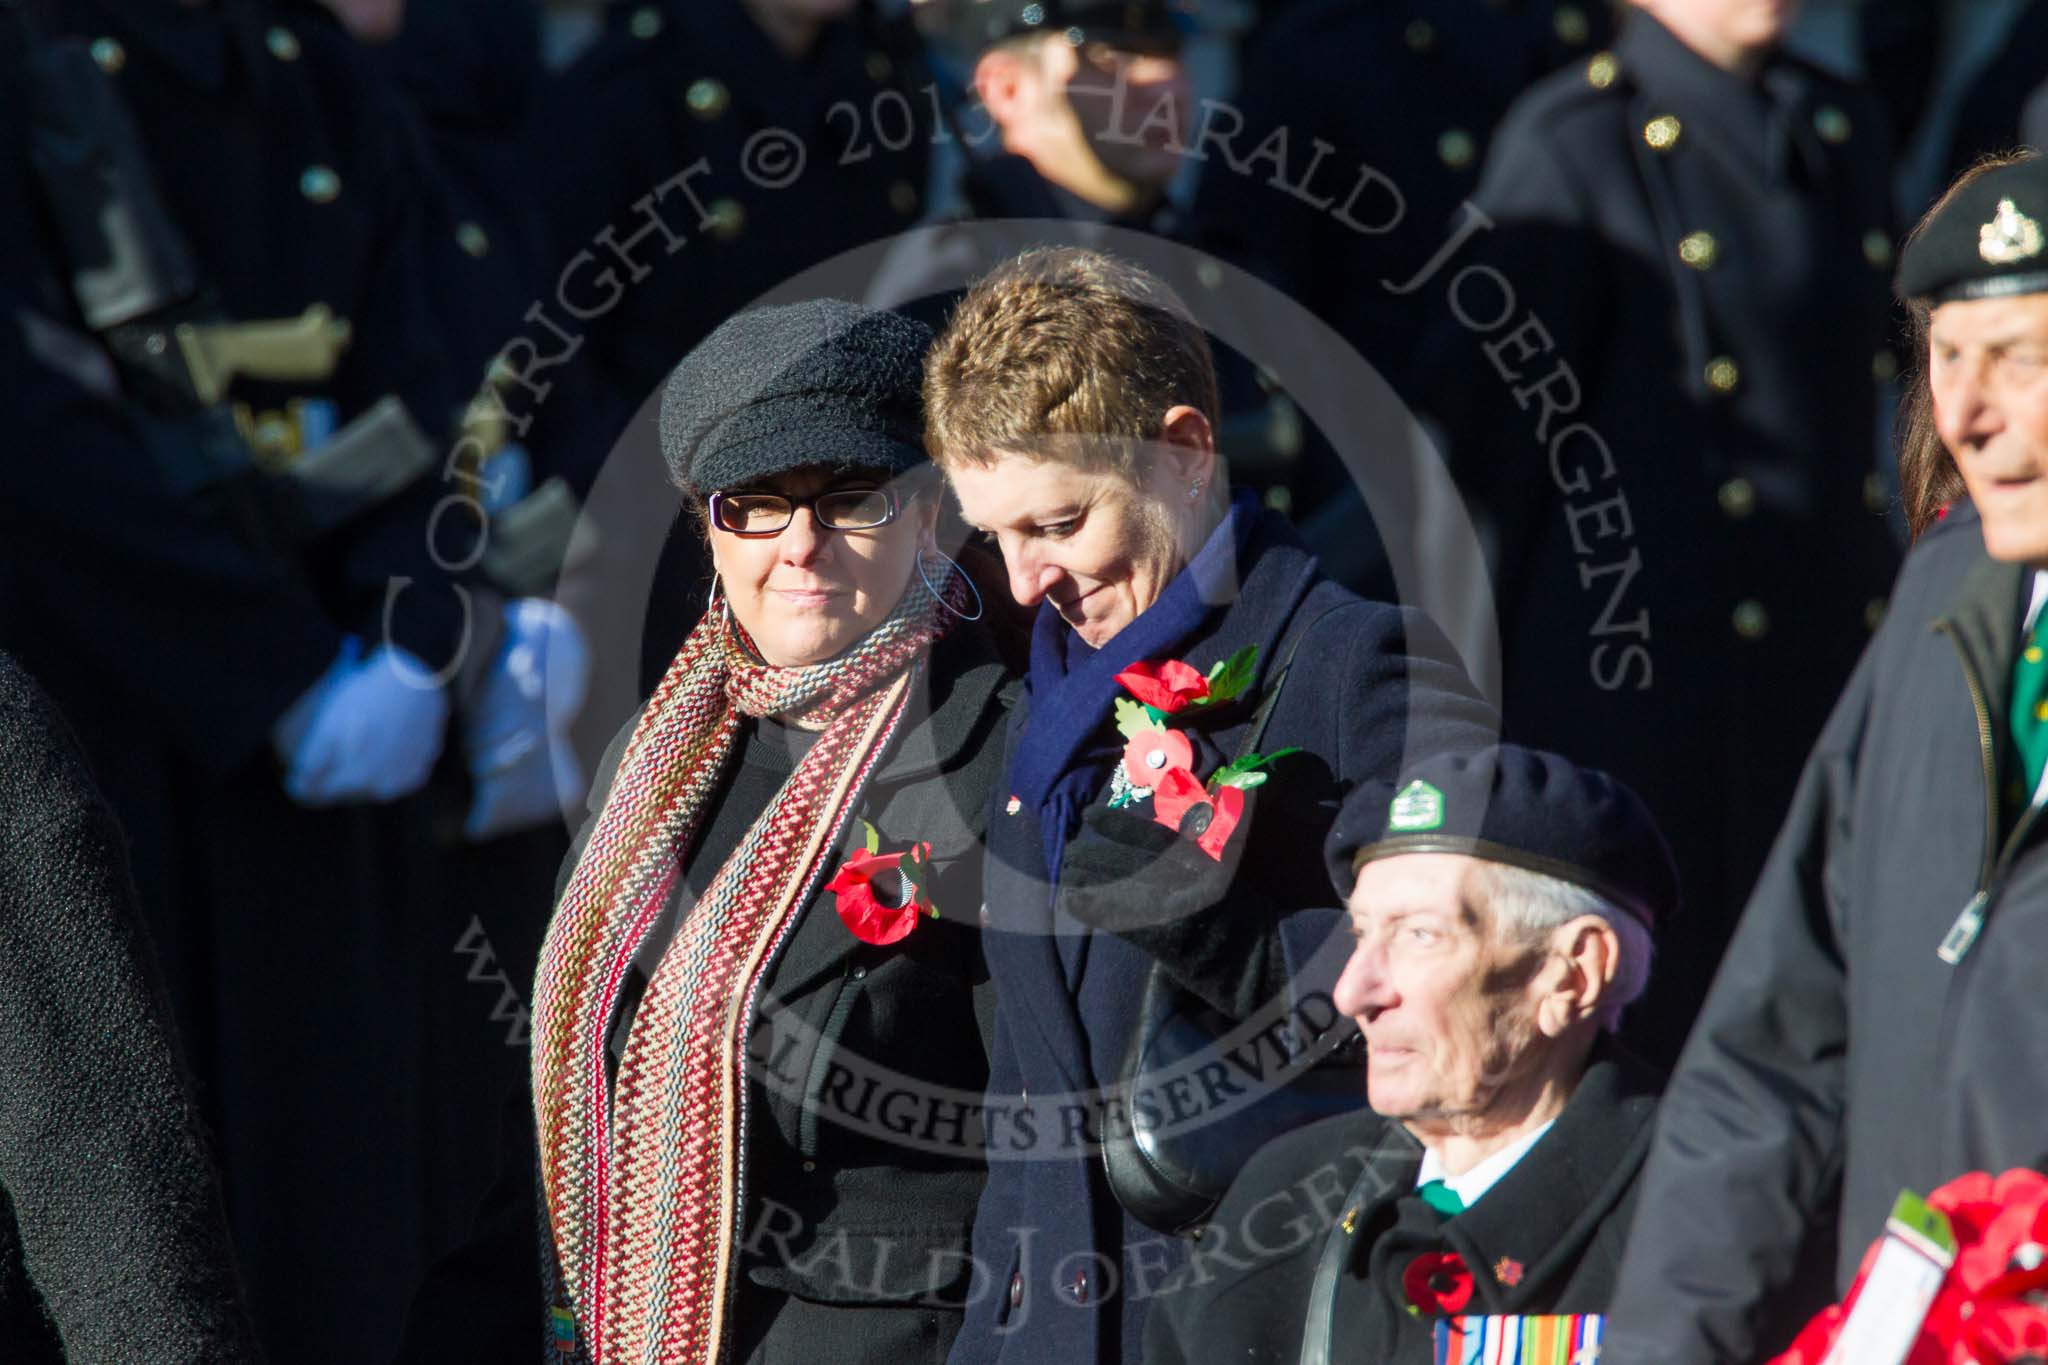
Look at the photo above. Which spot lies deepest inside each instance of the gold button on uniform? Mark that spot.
(1750, 620)
(1873, 613)
(1723, 374)
(1698, 250)
(879, 66)
(726, 219)
(1875, 498)
(1884, 367)
(1421, 36)
(707, 98)
(1737, 498)
(1601, 69)
(283, 44)
(1571, 24)
(645, 23)
(1457, 149)
(473, 239)
(1662, 133)
(1877, 248)
(903, 198)
(320, 184)
(110, 55)
(2033, 654)
(1832, 124)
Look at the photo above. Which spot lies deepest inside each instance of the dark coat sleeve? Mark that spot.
(1748, 1144)
(114, 1203)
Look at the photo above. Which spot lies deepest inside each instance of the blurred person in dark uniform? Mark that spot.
(1877, 1023)
(1993, 110)
(218, 560)
(698, 154)
(1354, 132)
(1662, 328)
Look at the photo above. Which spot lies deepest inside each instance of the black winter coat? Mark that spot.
(1837, 1049)
(1546, 1239)
(1065, 1273)
(112, 1245)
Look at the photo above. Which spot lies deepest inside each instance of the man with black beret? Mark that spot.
(1502, 902)
(1878, 1024)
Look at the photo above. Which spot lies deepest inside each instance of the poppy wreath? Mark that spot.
(881, 896)
(1992, 1307)
(1158, 761)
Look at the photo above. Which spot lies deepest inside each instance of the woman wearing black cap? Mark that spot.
(760, 1013)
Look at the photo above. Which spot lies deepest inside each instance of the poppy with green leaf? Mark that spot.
(879, 896)
(1158, 762)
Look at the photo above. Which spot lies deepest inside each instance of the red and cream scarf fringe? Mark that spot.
(643, 1182)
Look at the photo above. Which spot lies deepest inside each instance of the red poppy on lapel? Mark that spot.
(879, 896)
(1438, 1283)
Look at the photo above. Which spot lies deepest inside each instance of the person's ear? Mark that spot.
(1188, 445)
(1585, 956)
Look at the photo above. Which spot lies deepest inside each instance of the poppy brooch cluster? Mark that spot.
(880, 896)
(1158, 761)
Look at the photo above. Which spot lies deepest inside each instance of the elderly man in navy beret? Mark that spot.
(1502, 902)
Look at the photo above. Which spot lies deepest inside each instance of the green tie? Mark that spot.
(2030, 711)
(1442, 1198)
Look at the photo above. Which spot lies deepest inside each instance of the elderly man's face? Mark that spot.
(1987, 364)
(1447, 1001)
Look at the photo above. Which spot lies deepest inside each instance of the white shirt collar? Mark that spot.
(1476, 1182)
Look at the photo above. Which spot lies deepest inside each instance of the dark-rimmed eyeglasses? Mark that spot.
(837, 509)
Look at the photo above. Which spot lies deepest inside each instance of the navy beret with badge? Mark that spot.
(820, 384)
(1523, 807)
(1990, 240)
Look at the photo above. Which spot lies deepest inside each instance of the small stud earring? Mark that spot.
(1194, 490)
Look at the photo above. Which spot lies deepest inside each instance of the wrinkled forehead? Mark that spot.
(1990, 324)
(1447, 884)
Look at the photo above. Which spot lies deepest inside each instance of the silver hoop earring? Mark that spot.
(955, 567)
(716, 599)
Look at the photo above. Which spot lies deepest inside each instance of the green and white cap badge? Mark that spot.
(1417, 806)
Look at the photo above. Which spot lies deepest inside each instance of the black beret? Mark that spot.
(1134, 25)
(820, 384)
(1524, 807)
(1989, 240)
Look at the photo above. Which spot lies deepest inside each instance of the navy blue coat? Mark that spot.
(1063, 1273)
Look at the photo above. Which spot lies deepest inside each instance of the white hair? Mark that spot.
(1533, 904)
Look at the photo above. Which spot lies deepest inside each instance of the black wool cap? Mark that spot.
(1132, 25)
(1524, 807)
(821, 384)
(1989, 241)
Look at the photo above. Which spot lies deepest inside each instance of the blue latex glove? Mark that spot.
(516, 731)
(368, 730)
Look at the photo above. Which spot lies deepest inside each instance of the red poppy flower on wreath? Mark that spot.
(1171, 686)
(1438, 1283)
(879, 896)
(1183, 804)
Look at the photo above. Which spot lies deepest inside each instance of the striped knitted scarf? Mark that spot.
(642, 1183)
